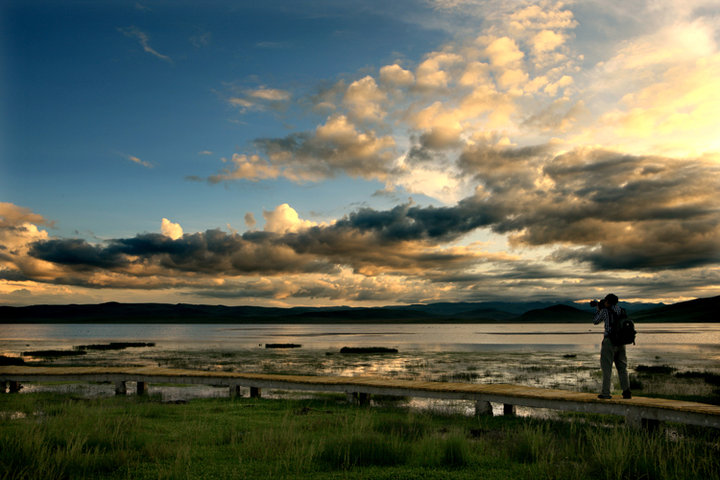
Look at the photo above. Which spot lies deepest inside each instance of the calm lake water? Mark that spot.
(549, 355)
(687, 337)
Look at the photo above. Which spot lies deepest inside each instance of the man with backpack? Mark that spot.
(611, 352)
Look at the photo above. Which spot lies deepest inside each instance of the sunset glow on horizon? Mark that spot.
(359, 153)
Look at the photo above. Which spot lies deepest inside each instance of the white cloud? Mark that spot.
(475, 74)
(553, 88)
(270, 94)
(547, 40)
(395, 75)
(502, 51)
(260, 99)
(430, 74)
(364, 100)
(284, 219)
(542, 15)
(438, 183)
(170, 229)
(248, 167)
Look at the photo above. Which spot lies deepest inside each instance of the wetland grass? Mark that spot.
(59, 436)
(665, 381)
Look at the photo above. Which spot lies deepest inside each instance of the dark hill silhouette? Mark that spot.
(700, 310)
(556, 314)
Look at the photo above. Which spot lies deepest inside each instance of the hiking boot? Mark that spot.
(627, 394)
(604, 397)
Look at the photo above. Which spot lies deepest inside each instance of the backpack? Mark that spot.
(622, 329)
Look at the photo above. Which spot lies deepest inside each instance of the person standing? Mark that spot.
(609, 353)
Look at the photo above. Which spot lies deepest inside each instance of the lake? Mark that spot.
(548, 355)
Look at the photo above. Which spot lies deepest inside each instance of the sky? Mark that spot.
(298, 152)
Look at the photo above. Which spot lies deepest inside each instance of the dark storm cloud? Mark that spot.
(503, 169)
(415, 223)
(211, 252)
(609, 210)
(76, 253)
(622, 211)
(214, 252)
(674, 245)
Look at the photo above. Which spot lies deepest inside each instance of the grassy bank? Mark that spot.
(57, 436)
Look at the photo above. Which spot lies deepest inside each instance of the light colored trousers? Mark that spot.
(610, 354)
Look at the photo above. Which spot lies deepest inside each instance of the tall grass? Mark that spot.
(131, 437)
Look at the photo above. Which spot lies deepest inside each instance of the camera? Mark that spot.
(595, 303)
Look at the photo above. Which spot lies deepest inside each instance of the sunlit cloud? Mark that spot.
(270, 94)
(246, 167)
(137, 161)
(499, 81)
(170, 229)
(594, 175)
(284, 219)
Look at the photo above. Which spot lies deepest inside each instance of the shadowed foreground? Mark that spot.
(53, 436)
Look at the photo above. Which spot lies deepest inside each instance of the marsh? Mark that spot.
(561, 356)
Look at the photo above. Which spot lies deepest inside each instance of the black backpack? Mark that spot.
(622, 329)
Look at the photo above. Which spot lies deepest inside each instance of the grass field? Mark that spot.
(47, 436)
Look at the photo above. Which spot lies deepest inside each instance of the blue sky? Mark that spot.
(86, 94)
(321, 152)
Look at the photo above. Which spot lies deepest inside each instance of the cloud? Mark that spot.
(12, 215)
(502, 51)
(242, 103)
(260, 99)
(213, 252)
(547, 40)
(657, 92)
(246, 167)
(542, 16)
(144, 40)
(396, 76)
(284, 219)
(170, 229)
(335, 147)
(503, 128)
(507, 81)
(270, 94)
(632, 212)
(18, 229)
(250, 221)
(609, 211)
(430, 74)
(364, 100)
(136, 160)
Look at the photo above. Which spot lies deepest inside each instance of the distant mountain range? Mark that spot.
(700, 310)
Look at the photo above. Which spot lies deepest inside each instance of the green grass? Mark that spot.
(54, 436)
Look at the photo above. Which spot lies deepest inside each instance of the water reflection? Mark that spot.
(548, 355)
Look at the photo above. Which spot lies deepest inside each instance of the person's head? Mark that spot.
(611, 299)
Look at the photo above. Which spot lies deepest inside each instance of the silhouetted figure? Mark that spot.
(607, 311)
